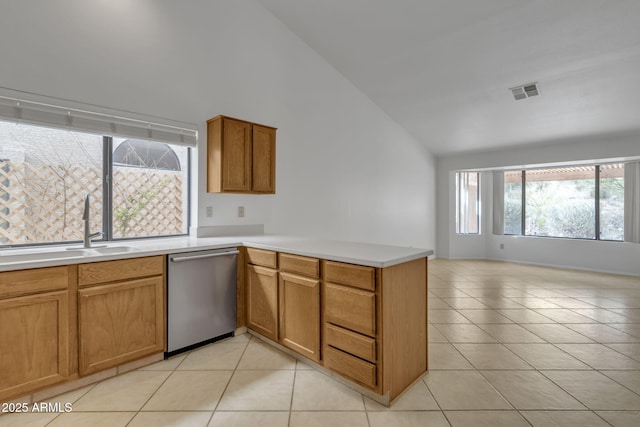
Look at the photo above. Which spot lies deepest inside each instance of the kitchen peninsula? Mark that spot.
(356, 311)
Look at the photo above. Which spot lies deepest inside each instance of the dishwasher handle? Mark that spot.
(192, 257)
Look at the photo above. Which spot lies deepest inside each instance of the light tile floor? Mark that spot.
(510, 345)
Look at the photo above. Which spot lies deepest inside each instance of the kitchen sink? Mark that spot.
(34, 255)
(115, 249)
(42, 256)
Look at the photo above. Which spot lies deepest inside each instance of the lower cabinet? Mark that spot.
(58, 323)
(352, 323)
(34, 342)
(283, 299)
(375, 324)
(120, 322)
(366, 324)
(262, 300)
(300, 314)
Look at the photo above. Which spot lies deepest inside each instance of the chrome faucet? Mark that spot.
(86, 222)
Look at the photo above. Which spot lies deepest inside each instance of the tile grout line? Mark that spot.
(156, 390)
(91, 386)
(535, 369)
(293, 390)
(213, 413)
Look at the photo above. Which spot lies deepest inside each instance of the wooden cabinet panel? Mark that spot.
(300, 265)
(22, 282)
(263, 160)
(350, 308)
(349, 274)
(404, 313)
(262, 257)
(262, 301)
(120, 322)
(351, 342)
(300, 314)
(34, 342)
(358, 370)
(236, 155)
(111, 271)
(214, 155)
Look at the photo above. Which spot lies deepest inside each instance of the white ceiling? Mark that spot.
(443, 68)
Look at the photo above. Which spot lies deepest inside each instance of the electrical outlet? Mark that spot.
(209, 211)
(240, 211)
(501, 245)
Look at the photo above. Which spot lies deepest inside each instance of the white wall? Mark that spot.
(613, 257)
(344, 168)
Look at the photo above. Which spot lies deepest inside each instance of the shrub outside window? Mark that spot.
(560, 202)
(612, 202)
(513, 202)
(579, 202)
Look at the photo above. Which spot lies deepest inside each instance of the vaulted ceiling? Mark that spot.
(443, 68)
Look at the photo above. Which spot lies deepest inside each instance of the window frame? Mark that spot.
(107, 193)
(596, 200)
(463, 229)
(188, 203)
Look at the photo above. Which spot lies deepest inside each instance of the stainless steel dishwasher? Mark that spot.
(201, 298)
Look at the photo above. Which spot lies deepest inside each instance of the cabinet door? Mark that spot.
(236, 155)
(264, 159)
(262, 301)
(34, 342)
(300, 314)
(119, 323)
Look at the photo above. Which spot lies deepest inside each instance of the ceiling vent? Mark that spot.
(525, 91)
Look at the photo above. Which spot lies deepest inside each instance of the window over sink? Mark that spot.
(138, 187)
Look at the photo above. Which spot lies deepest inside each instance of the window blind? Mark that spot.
(46, 111)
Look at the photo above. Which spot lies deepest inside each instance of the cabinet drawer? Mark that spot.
(22, 282)
(356, 344)
(350, 366)
(262, 257)
(300, 264)
(111, 271)
(351, 308)
(350, 274)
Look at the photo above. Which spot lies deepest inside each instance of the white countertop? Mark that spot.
(351, 252)
(336, 250)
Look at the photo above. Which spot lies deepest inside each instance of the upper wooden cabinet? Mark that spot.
(241, 157)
